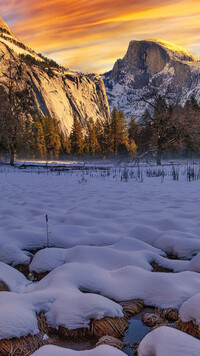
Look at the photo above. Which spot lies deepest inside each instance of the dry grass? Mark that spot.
(157, 268)
(23, 269)
(23, 346)
(114, 327)
(160, 317)
(109, 326)
(161, 323)
(76, 334)
(112, 341)
(189, 328)
(151, 319)
(39, 276)
(170, 314)
(132, 307)
(4, 287)
(42, 324)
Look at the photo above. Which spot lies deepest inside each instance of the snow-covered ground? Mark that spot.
(105, 228)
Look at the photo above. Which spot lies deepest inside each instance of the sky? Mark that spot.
(90, 35)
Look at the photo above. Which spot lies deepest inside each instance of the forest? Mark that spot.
(163, 131)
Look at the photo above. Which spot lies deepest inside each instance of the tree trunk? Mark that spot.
(12, 158)
(158, 158)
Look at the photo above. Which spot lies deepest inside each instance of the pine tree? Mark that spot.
(123, 145)
(38, 146)
(132, 148)
(107, 138)
(133, 129)
(76, 137)
(65, 148)
(116, 130)
(51, 136)
(91, 143)
(99, 131)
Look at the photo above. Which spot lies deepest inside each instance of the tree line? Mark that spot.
(168, 130)
(163, 129)
(40, 137)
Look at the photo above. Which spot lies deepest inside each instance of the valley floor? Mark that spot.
(93, 239)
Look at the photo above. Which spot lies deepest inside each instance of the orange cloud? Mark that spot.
(90, 35)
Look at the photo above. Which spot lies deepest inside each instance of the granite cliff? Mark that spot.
(56, 91)
(147, 65)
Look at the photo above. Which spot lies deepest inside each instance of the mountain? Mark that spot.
(56, 91)
(151, 65)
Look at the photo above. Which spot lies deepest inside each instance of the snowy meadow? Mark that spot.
(87, 251)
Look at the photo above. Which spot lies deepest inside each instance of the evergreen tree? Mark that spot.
(99, 131)
(38, 146)
(65, 148)
(116, 130)
(107, 138)
(124, 124)
(133, 129)
(123, 146)
(132, 148)
(51, 136)
(91, 143)
(76, 137)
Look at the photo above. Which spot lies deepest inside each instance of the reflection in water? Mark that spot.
(135, 333)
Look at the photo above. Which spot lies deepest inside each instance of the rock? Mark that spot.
(59, 92)
(149, 64)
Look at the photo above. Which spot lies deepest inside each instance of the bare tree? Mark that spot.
(160, 125)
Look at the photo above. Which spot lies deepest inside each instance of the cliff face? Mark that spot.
(60, 93)
(151, 64)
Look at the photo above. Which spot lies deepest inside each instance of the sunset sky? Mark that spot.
(89, 35)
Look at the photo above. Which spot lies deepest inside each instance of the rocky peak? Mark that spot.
(146, 55)
(56, 91)
(4, 27)
(151, 63)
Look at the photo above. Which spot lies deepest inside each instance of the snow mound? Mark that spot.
(179, 244)
(15, 280)
(165, 341)
(194, 264)
(17, 316)
(105, 257)
(190, 310)
(13, 255)
(103, 350)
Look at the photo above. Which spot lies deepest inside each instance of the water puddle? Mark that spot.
(135, 332)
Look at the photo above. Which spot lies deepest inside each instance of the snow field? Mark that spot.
(104, 235)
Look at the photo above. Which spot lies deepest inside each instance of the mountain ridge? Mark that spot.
(56, 91)
(151, 64)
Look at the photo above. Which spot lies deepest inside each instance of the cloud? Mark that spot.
(90, 35)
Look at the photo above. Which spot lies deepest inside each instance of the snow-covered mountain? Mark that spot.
(151, 64)
(56, 91)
